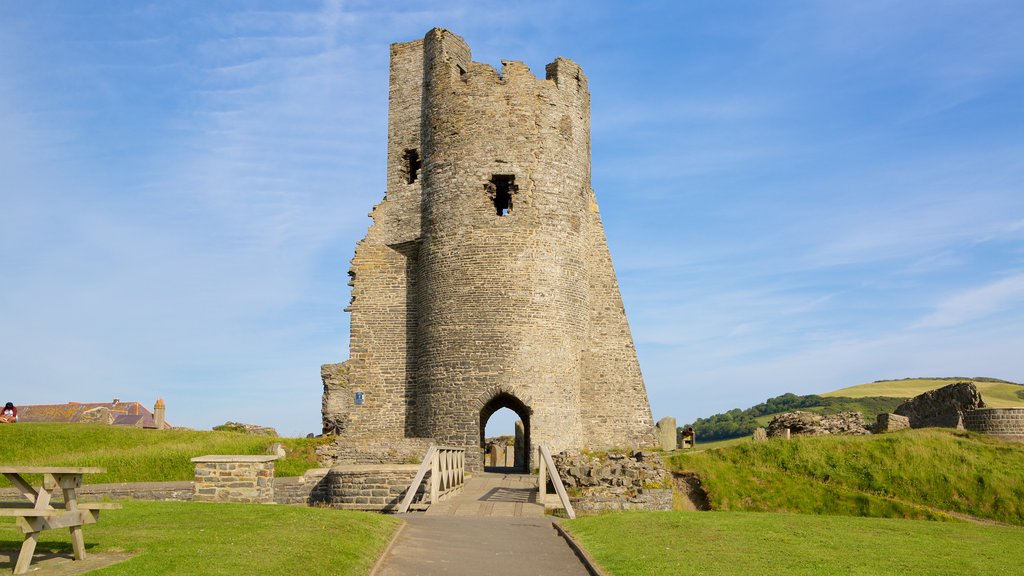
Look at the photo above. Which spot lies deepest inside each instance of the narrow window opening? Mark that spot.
(412, 165)
(501, 187)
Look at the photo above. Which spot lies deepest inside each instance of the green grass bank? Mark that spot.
(227, 539)
(732, 543)
(904, 475)
(135, 455)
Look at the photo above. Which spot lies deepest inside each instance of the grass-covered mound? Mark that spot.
(713, 543)
(997, 393)
(135, 455)
(227, 539)
(907, 474)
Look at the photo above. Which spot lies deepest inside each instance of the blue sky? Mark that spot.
(798, 196)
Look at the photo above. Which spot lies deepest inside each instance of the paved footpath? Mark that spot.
(494, 526)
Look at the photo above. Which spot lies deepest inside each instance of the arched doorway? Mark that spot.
(522, 445)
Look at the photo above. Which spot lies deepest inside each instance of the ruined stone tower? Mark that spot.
(485, 281)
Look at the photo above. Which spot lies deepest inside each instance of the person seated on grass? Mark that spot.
(9, 415)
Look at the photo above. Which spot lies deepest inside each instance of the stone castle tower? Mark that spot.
(485, 280)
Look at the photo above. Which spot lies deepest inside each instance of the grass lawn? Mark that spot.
(889, 475)
(995, 394)
(134, 455)
(227, 539)
(747, 543)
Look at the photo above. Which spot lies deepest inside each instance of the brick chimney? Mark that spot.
(159, 413)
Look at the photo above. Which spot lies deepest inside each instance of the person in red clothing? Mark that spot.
(9, 415)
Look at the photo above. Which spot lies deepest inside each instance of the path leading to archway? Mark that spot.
(495, 495)
(494, 526)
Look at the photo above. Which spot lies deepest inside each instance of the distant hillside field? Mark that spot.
(920, 474)
(135, 455)
(996, 393)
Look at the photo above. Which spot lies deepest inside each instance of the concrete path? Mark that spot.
(494, 526)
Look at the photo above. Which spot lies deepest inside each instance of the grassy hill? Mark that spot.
(134, 455)
(997, 393)
(912, 474)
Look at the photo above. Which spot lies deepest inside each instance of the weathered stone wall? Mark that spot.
(998, 421)
(890, 423)
(308, 489)
(234, 479)
(456, 303)
(943, 407)
(369, 487)
(368, 450)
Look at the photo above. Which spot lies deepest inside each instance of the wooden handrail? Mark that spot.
(447, 466)
(546, 463)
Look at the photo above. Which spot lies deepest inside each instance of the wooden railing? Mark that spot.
(447, 466)
(547, 466)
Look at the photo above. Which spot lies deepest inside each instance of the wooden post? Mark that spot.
(542, 480)
(435, 477)
(557, 481)
(428, 458)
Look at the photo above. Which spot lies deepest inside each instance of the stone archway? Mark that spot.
(505, 398)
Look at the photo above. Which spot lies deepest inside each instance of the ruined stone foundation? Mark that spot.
(485, 281)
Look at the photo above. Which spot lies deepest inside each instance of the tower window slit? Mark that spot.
(501, 187)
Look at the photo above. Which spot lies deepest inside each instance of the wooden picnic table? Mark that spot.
(40, 513)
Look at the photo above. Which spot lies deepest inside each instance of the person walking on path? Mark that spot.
(9, 415)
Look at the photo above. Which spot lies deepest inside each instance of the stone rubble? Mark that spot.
(602, 482)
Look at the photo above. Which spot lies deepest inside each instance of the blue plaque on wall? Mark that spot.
(359, 398)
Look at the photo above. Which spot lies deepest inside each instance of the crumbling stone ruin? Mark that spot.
(801, 423)
(602, 482)
(485, 281)
(943, 407)
(890, 423)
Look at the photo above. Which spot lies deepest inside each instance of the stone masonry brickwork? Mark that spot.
(234, 479)
(369, 487)
(485, 280)
(997, 421)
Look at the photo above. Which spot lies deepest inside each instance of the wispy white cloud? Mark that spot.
(975, 303)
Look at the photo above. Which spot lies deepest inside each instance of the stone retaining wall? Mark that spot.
(996, 421)
(234, 479)
(309, 489)
(368, 487)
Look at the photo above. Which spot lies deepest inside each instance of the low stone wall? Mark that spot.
(234, 479)
(309, 489)
(377, 487)
(997, 421)
(176, 491)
